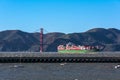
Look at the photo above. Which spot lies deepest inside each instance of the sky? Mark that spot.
(67, 16)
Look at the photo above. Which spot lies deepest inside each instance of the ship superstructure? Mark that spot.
(71, 48)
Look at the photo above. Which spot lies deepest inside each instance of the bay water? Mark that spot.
(59, 71)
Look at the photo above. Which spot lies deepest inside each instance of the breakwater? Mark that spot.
(53, 57)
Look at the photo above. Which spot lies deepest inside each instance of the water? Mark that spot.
(58, 71)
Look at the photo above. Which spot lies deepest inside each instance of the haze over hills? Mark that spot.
(16, 40)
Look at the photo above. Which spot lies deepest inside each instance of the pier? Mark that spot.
(54, 57)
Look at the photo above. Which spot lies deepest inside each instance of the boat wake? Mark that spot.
(117, 66)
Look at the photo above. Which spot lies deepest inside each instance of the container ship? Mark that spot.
(71, 48)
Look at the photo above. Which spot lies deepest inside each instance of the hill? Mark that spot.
(16, 40)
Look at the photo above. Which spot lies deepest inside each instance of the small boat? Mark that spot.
(17, 66)
(21, 66)
(62, 64)
(75, 79)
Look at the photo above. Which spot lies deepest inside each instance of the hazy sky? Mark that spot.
(66, 16)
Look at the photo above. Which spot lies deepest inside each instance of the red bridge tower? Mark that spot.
(41, 40)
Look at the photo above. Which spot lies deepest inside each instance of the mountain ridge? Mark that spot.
(17, 40)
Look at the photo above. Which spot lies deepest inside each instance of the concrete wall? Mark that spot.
(7, 57)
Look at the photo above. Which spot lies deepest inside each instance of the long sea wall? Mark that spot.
(54, 57)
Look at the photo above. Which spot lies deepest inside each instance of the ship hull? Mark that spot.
(76, 51)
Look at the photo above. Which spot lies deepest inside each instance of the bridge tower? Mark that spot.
(41, 40)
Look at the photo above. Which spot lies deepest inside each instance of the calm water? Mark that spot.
(58, 71)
